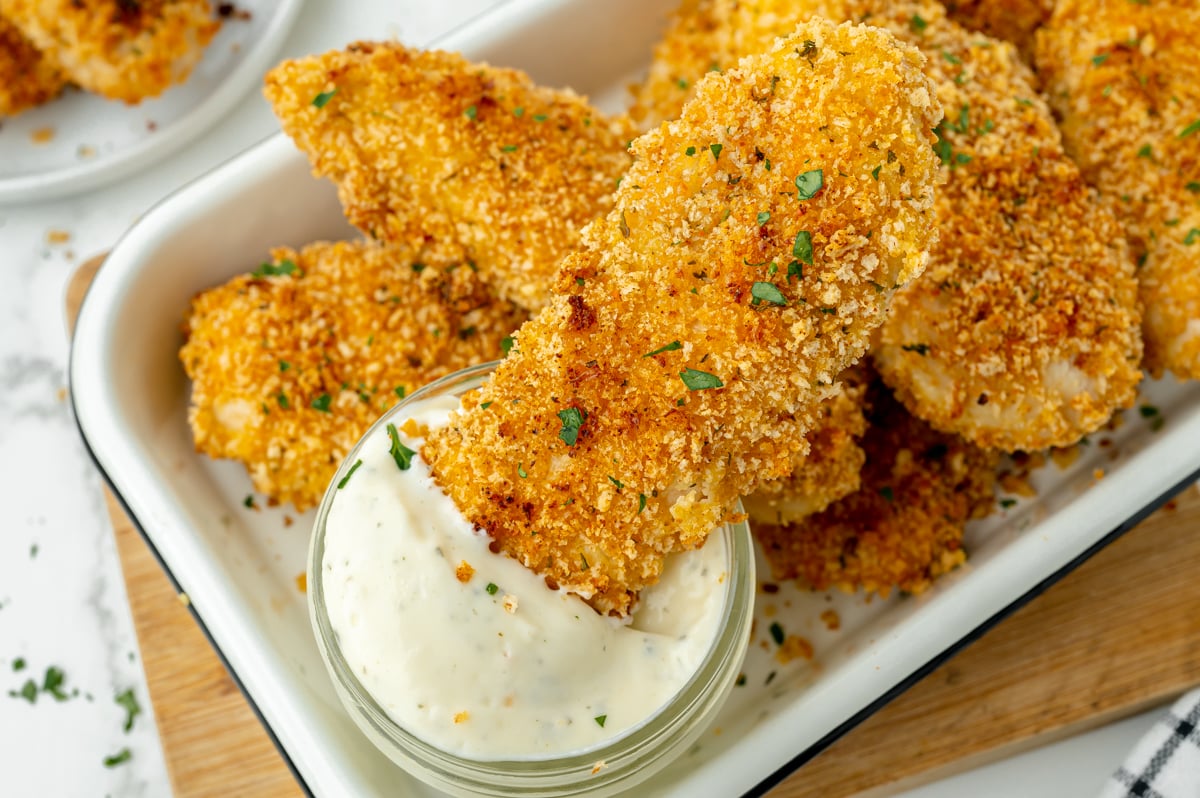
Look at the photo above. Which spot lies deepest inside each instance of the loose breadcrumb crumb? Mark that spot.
(464, 572)
(794, 647)
(689, 344)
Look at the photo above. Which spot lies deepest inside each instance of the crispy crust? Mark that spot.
(355, 322)
(676, 261)
(1023, 333)
(27, 77)
(904, 527)
(831, 467)
(465, 161)
(1013, 21)
(1125, 81)
(119, 49)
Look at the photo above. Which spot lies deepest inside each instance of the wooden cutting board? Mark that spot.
(1118, 635)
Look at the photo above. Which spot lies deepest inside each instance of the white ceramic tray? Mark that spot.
(93, 141)
(239, 566)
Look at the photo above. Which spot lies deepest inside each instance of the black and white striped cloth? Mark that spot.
(1166, 761)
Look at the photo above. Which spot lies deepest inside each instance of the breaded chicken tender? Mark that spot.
(904, 527)
(1013, 21)
(829, 470)
(291, 364)
(464, 161)
(1023, 333)
(1125, 80)
(754, 245)
(27, 77)
(121, 49)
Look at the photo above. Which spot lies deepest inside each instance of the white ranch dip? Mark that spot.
(500, 666)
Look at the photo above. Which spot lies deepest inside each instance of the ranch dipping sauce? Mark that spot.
(498, 666)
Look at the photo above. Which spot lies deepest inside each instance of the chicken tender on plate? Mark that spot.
(291, 364)
(1023, 333)
(1125, 79)
(464, 161)
(753, 247)
(829, 470)
(903, 527)
(121, 49)
(27, 77)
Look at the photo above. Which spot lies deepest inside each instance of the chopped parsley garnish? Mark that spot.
(128, 702)
(1148, 411)
(700, 380)
(1097, 60)
(620, 485)
(572, 420)
(119, 758)
(795, 270)
(583, 561)
(540, 117)
(600, 720)
(641, 502)
(346, 479)
(283, 268)
(1006, 503)
(248, 502)
(624, 226)
(284, 365)
(887, 493)
(767, 292)
(521, 472)
(917, 24)
(509, 148)
(18, 664)
(323, 98)
(52, 683)
(418, 268)
(1191, 236)
(1190, 129)
(519, 111)
(809, 184)
(741, 680)
(399, 390)
(690, 151)
(322, 403)
(506, 344)
(399, 452)
(875, 172)
(715, 149)
(28, 691)
(471, 112)
(764, 217)
(777, 633)
(920, 349)
(1145, 152)
(282, 399)
(951, 57)
(492, 588)
(802, 248)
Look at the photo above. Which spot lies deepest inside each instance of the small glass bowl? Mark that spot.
(607, 769)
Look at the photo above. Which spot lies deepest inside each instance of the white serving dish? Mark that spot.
(239, 566)
(96, 141)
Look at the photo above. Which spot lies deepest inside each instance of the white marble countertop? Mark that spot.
(62, 599)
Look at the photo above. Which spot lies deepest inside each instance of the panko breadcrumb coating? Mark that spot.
(121, 49)
(1013, 21)
(831, 466)
(465, 161)
(687, 348)
(904, 527)
(1023, 333)
(1125, 80)
(292, 363)
(27, 77)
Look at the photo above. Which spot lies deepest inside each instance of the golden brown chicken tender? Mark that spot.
(754, 245)
(904, 527)
(461, 160)
(1023, 333)
(292, 363)
(27, 77)
(830, 468)
(1125, 80)
(121, 49)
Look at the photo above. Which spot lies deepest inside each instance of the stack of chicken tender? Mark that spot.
(815, 179)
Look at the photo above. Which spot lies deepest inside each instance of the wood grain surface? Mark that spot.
(1119, 634)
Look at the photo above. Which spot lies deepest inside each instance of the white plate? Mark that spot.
(94, 141)
(239, 566)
